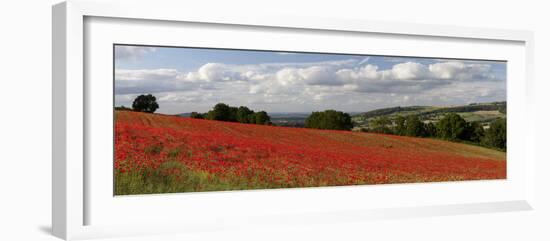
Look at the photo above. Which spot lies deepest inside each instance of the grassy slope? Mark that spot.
(377, 145)
(434, 113)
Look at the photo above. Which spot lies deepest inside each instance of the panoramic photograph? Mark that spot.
(205, 119)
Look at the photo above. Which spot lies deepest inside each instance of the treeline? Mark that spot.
(329, 120)
(242, 114)
(142, 103)
(498, 106)
(391, 110)
(123, 108)
(451, 127)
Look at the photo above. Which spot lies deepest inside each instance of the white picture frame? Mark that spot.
(72, 191)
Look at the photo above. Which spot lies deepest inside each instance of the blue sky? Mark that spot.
(194, 79)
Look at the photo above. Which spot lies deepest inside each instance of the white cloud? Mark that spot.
(314, 75)
(409, 71)
(214, 72)
(410, 77)
(462, 71)
(290, 85)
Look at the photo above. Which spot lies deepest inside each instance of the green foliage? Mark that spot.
(391, 110)
(221, 112)
(169, 177)
(262, 118)
(475, 132)
(145, 103)
(176, 177)
(329, 119)
(383, 125)
(242, 114)
(174, 153)
(499, 106)
(452, 127)
(400, 127)
(196, 115)
(233, 114)
(496, 134)
(484, 113)
(414, 127)
(123, 108)
(431, 130)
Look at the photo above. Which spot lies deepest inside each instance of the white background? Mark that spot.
(192, 209)
(25, 121)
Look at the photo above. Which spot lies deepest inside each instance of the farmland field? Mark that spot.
(161, 153)
(482, 113)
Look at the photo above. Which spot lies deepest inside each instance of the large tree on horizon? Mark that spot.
(145, 103)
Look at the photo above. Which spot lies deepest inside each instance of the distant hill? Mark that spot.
(484, 113)
(187, 114)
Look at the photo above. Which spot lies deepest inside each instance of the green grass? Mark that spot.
(170, 177)
(175, 177)
(481, 116)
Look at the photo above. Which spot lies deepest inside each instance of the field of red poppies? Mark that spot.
(161, 154)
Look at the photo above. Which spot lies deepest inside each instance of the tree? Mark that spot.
(431, 129)
(329, 119)
(243, 115)
(261, 118)
(196, 115)
(233, 114)
(400, 127)
(414, 127)
(475, 132)
(451, 127)
(496, 134)
(221, 112)
(145, 103)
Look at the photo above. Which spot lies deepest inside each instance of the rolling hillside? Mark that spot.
(483, 113)
(160, 153)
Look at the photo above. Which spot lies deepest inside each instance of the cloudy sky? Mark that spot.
(194, 79)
